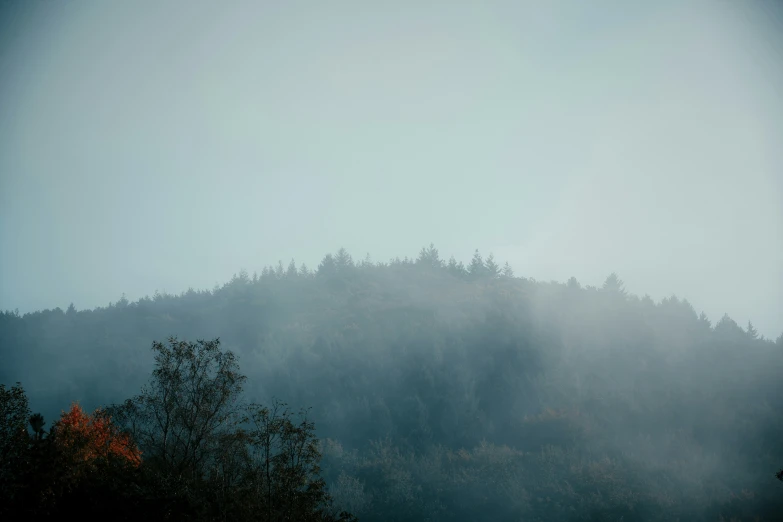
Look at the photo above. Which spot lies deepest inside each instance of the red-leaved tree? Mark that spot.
(87, 441)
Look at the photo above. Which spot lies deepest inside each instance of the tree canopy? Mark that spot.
(436, 391)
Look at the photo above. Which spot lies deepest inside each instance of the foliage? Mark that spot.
(87, 441)
(14, 413)
(440, 392)
(82, 466)
(188, 407)
(209, 454)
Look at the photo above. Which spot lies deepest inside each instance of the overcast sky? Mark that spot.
(161, 145)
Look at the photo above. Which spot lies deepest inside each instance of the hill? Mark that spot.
(450, 392)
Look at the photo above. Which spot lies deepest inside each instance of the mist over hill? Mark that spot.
(450, 391)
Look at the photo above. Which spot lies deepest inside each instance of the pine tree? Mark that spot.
(291, 272)
(454, 268)
(243, 277)
(614, 284)
(476, 268)
(422, 259)
(704, 320)
(37, 424)
(327, 266)
(507, 271)
(343, 260)
(429, 257)
(491, 267)
(434, 256)
(752, 332)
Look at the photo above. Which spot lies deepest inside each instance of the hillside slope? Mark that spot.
(445, 392)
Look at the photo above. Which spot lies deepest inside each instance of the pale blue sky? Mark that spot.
(161, 145)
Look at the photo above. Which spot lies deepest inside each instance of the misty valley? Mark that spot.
(418, 389)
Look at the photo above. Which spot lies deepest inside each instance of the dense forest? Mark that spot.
(438, 390)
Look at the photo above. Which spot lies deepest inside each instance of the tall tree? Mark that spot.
(507, 271)
(491, 267)
(429, 257)
(291, 271)
(327, 266)
(215, 455)
(343, 260)
(476, 269)
(285, 463)
(189, 404)
(704, 321)
(87, 439)
(614, 284)
(14, 415)
(456, 269)
(752, 332)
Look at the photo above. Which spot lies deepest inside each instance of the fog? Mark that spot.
(164, 145)
(148, 148)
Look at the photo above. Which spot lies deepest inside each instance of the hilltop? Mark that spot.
(445, 391)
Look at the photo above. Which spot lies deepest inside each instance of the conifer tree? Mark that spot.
(491, 267)
(291, 272)
(476, 269)
(507, 271)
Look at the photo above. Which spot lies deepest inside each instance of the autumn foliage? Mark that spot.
(89, 440)
(85, 464)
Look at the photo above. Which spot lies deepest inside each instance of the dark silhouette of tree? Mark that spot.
(14, 415)
(37, 424)
(83, 467)
(435, 397)
(206, 449)
(284, 462)
(191, 401)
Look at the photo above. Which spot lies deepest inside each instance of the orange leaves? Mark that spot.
(90, 439)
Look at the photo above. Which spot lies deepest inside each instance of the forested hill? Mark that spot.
(451, 392)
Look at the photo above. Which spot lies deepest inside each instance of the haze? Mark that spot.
(164, 145)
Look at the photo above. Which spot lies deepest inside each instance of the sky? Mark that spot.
(164, 145)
